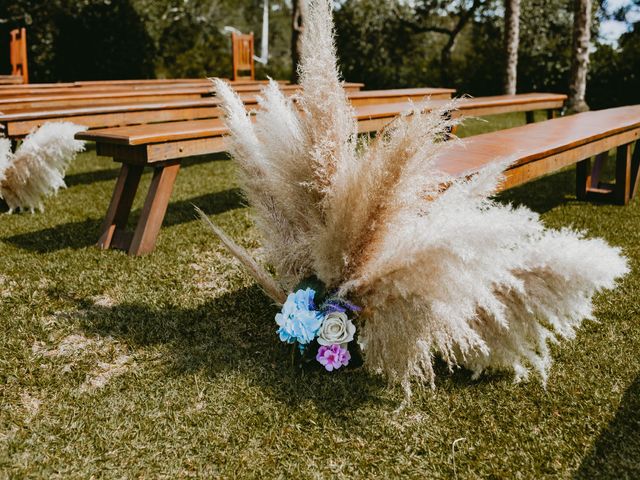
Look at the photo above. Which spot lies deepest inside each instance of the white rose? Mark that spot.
(336, 329)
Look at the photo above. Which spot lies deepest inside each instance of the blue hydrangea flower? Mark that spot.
(299, 321)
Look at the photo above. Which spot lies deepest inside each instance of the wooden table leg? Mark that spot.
(623, 175)
(551, 114)
(155, 207)
(121, 201)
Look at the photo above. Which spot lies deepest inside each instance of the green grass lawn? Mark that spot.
(168, 366)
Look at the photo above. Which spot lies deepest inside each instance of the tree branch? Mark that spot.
(463, 18)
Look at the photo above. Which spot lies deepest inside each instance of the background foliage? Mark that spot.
(383, 43)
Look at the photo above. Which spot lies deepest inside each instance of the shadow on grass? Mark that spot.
(72, 235)
(232, 333)
(543, 194)
(106, 174)
(81, 234)
(94, 176)
(616, 453)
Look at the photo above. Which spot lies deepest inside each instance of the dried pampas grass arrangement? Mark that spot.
(382, 251)
(36, 170)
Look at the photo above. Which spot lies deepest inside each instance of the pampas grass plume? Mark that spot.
(36, 170)
(440, 267)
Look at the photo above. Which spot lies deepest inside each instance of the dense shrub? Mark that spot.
(108, 39)
(614, 78)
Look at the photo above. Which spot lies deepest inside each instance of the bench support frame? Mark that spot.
(627, 176)
(143, 239)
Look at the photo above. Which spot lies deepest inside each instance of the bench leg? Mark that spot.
(635, 169)
(155, 207)
(622, 189)
(583, 174)
(118, 212)
(452, 129)
(529, 116)
(588, 184)
(551, 114)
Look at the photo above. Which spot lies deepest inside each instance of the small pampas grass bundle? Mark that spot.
(389, 261)
(36, 170)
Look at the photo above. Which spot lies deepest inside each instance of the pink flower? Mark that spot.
(333, 357)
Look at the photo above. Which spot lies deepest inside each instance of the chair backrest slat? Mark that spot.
(242, 49)
(18, 54)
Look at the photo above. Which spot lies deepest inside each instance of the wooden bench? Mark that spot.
(162, 146)
(100, 98)
(377, 97)
(545, 147)
(10, 80)
(33, 90)
(205, 87)
(374, 117)
(18, 123)
(81, 98)
(134, 84)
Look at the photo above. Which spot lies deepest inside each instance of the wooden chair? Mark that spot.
(242, 48)
(18, 54)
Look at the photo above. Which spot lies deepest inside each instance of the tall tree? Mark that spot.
(580, 59)
(456, 16)
(297, 25)
(511, 42)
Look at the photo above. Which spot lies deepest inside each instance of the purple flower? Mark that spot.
(333, 357)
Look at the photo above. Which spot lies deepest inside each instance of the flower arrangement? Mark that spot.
(320, 328)
(437, 266)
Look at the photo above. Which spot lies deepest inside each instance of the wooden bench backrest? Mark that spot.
(242, 49)
(18, 54)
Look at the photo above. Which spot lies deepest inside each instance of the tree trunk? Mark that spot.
(511, 42)
(297, 25)
(445, 62)
(580, 60)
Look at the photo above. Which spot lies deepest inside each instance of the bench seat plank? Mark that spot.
(524, 99)
(132, 84)
(49, 94)
(19, 122)
(10, 80)
(366, 97)
(530, 143)
(374, 117)
(13, 114)
(157, 133)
